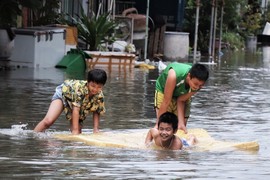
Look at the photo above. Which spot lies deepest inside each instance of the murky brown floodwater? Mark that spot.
(234, 105)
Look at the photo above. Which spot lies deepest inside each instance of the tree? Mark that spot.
(47, 14)
(232, 17)
(252, 19)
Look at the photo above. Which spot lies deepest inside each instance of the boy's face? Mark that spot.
(165, 131)
(94, 88)
(195, 84)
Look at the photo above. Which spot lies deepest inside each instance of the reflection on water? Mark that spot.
(266, 56)
(234, 105)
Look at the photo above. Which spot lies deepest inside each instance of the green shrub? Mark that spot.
(234, 40)
(93, 31)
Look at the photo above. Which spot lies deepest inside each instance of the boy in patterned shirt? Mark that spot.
(77, 98)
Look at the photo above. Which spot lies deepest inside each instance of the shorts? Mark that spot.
(184, 142)
(58, 94)
(173, 105)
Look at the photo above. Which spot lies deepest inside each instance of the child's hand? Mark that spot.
(75, 132)
(183, 127)
(147, 145)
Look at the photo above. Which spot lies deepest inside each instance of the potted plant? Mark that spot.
(94, 31)
(9, 10)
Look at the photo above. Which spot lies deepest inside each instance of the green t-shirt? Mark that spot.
(181, 71)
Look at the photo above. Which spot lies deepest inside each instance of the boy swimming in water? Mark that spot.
(164, 136)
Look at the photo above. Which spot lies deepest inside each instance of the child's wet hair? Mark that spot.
(169, 118)
(98, 76)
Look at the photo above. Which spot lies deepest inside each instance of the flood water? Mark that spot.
(233, 106)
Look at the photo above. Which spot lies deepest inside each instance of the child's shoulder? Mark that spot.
(177, 144)
(75, 82)
(177, 138)
(154, 132)
(154, 129)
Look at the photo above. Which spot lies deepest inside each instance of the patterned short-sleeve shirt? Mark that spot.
(76, 93)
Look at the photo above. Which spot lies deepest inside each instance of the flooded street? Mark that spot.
(233, 106)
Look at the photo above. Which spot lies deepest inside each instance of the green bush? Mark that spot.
(93, 31)
(234, 40)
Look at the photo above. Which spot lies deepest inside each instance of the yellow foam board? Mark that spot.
(135, 140)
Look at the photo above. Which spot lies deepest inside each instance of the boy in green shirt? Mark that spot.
(77, 98)
(174, 88)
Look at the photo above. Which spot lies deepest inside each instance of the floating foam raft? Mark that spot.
(135, 140)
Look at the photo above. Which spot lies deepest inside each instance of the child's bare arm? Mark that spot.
(181, 115)
(96, 118)
(149, 137)
(152, 134)
(75, 127)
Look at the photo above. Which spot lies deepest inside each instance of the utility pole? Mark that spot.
(196, 29)
(220, 29)
(214, 32)
(211, 31)
(146, 30)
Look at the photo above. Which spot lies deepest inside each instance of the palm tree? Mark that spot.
(93, 31)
